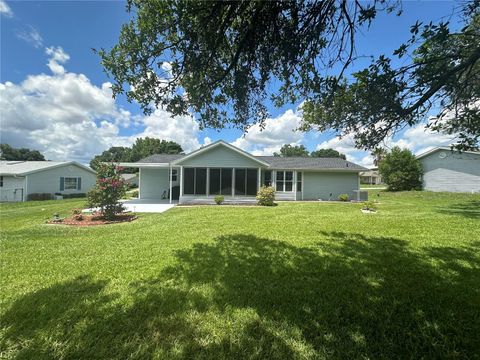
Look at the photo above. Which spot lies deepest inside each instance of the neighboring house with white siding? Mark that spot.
(452, 171)
(20, 179)
(223, 169)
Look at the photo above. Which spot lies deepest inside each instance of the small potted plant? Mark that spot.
(369, 207)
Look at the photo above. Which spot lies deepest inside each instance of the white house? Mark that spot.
(452, 171)
(20, 179)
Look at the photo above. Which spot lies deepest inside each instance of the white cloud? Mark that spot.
(181, 129)
(418, 139)
(57, 57)
(5, 9)
(66, 117)
(276, 132)
(31, 36)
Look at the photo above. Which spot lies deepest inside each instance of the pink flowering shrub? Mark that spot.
(108, 190)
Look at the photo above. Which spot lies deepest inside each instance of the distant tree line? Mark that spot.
(142, 148)
(288, 150)
(8, 152)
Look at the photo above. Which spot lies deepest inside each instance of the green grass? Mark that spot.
(368, 186)
(300, 280)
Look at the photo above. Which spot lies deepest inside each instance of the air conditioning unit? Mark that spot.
(360, 195)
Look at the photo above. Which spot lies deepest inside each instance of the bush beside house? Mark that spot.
(109, 188)
(266, 196)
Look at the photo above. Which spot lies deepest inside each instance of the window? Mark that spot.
(267, 180)
(1, 181)
(70, 183)
(174, 174)
(284, 181)
(299, 181)
(195, 181)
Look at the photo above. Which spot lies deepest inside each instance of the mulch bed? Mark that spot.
(92, 220)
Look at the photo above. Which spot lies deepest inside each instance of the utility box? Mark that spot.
(360, 195)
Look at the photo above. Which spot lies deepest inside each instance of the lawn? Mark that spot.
(300, 280)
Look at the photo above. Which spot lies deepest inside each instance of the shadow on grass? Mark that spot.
(469, 209)
(350, 296)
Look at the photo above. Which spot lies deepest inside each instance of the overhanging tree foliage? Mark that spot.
(223, 55)
(442, 70)
(217, 60)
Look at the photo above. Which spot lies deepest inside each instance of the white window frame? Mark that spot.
(300, 181)
(69, 187)
(284, 181)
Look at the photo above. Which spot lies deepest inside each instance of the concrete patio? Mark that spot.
(144, 205)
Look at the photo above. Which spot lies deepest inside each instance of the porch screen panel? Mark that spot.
(201, 181)
(252, 181)
(189, 181)
(240, 182)
(214, 181)
(226, 186)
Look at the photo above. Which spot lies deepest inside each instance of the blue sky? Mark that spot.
(55, 96)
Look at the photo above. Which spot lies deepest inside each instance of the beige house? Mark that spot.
(371, 177)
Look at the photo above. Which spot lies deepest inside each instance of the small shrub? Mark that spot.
(266, 196)
(40, 196)
(134, 194)
(219, 199)
(343, 197)
(369, 205)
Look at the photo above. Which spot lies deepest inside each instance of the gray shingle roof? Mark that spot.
(17, 167)
(310, 163)
(278, 162)
(161, 158)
